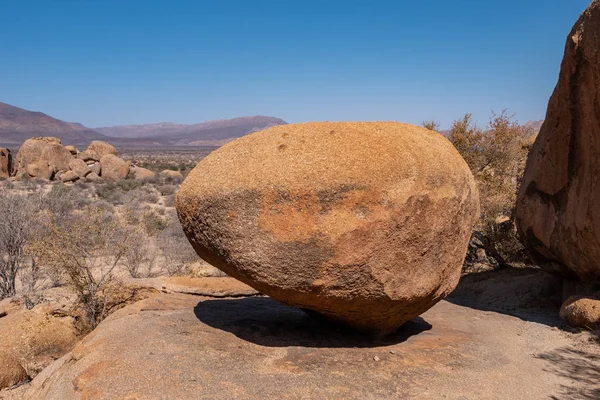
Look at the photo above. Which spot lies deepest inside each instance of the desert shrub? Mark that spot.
(107, 191)
(151, 198)
(140, 256)
(60, 201)
(176, 249)
(82, 184)
(496, 155)
(167, 190)
(153, 223)
(117, 192)
(128, 184)
(17, 225)
(87, 251)
(431, 125)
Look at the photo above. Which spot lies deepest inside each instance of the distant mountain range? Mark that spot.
(18, 125)
(211, 133)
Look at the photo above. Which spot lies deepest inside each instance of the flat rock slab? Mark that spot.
(210, 287)
(176, 346)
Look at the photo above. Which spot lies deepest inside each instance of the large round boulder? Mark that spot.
(558, 212)
(364, 223)
(42, 157)
(101, 149)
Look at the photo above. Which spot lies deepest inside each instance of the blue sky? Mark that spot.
(112, 62)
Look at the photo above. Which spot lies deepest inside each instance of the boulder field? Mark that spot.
(558, 213)
(46, 158)
(363, 223)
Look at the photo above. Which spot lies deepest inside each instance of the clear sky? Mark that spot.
(112, 62)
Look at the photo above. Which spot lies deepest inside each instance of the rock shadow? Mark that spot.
(266, 322)
(577, 366)
(526, 293)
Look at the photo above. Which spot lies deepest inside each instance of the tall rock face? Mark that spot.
(42, 157)
(363, 223)
(5, 163)
(558, 207)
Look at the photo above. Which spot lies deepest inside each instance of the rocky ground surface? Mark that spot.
(490, 340)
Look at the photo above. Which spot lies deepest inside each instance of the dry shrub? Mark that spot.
(431, 125)
(496, 156)
(176, 249)
(87, 250)
(140, 256)
(17, 225)
(167, 190)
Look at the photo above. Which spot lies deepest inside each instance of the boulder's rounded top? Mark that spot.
(319, 154)
(102, 148)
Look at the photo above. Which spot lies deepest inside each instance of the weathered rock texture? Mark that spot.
(172, 175)
(88, 156)
(189, 347)
(113, 168)
(12, 372)
(365, 223)
(581, 312)
(5, 163)
(79, 167)
(42, 157)
(142, 174)
(72, 149)
(558, 212)
(102, 148)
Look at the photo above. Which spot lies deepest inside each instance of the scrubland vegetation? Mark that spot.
(89, 238)
(496, 154)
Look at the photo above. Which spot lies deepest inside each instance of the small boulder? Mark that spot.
(69, 176)
(79, 167)
(114, 168)
(72, 149)
(96, 168)
(581, 312)
(12, 372)
(102, 148)
(93, 177)
(5, 163)
(89, 156)
(142, 174)
(170, 174)
(42, 157)
(371, 239)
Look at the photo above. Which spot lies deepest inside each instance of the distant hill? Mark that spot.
(18, 125)
(211, 133)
